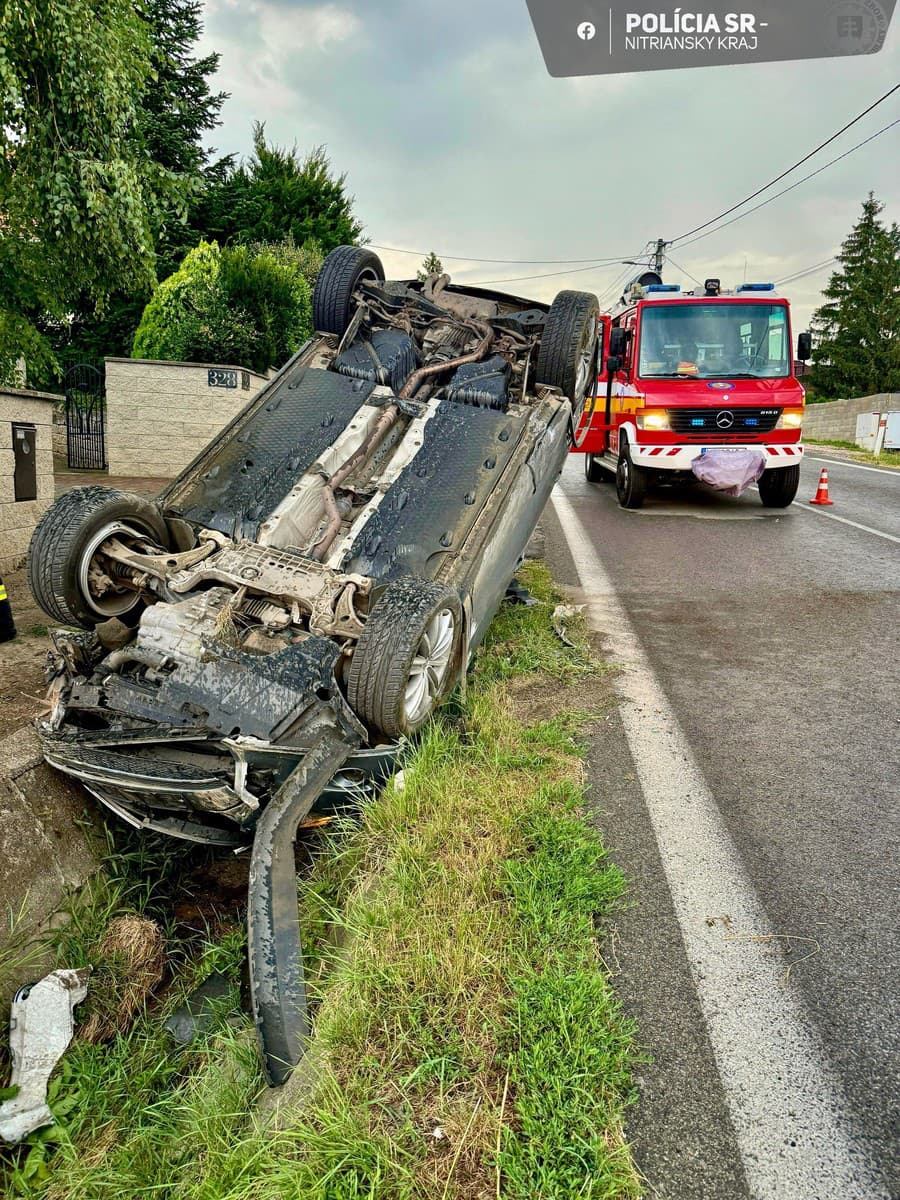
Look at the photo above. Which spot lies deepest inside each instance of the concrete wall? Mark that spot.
(60, 438)
(160, 415)
(836, 421)
(19, 517)
(45, 851)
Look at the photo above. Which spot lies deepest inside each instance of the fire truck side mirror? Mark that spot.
(618, 344)
(804, 347)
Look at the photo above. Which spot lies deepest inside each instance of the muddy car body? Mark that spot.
(311, 587)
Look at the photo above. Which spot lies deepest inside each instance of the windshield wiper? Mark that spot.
(711, 378)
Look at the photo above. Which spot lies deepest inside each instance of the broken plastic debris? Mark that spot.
(518, 593)
(40, 1028)
(197, 1015)
(562, 615)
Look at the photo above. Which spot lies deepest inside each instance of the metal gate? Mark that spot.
(85, 418)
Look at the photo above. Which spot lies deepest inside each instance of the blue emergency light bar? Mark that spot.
(756, 287)
(663, 287)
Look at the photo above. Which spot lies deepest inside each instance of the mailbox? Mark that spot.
(24, 452)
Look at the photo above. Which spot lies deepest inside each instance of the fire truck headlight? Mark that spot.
(652, 418)
(791, 418)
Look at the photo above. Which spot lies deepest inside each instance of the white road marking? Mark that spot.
(787, 1110)
(845, 521)
(839, 462)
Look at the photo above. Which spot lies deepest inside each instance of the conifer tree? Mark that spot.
(431, 265)
(857, 330)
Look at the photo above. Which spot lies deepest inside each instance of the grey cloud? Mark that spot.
(454, 137)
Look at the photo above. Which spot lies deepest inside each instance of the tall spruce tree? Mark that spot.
(857, 329)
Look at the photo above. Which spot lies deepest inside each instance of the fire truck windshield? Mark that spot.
(714, 341)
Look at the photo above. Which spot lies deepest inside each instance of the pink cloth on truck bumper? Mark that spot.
(729, 471)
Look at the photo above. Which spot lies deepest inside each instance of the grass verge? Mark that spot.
(888, 458)
(468, 1040)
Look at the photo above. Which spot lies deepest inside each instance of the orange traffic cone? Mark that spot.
(821, 496)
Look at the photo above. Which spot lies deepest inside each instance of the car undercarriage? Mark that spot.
(259, 639)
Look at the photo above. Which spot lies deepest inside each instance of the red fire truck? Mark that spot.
(684, 374)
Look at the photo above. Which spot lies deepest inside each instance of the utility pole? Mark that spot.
(660, 255)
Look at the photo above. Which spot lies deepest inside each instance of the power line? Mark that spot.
(610, 292)
(785, 191)
(509, 262)
(679, 267)
(808, 271)
(602, 262)
(784, 174)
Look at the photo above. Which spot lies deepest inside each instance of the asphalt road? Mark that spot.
(753, 767)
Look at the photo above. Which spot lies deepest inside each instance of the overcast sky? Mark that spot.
(454, 138)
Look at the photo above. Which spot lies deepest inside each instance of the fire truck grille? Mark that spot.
(701, 422)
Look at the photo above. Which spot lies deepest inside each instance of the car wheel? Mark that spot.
(593, 472)
(631, 481)
(407, 658)
(67, 538)
(778, 488)
(568, 357)
(342, 272)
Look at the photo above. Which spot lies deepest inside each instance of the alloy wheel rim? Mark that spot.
(119, 600)
(586, 360)
(430, 665)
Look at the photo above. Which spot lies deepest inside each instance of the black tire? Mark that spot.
(631, 481)
(60, 541)
(381, 667)
(778, 488)
(593, 472)
(341, 274)
(569, 346)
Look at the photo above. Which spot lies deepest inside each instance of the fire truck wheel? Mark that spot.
(593, 472)
(631, 481)
(777, 489)
(345, 268)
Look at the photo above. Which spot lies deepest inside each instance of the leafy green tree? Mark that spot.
(172, 319)
(857, 330)
(431, 265)
(177, 110)
(278, 196)
(244, 305)
(79, 195)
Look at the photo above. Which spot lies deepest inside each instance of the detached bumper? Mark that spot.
(679, 458)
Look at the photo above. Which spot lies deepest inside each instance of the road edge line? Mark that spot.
(889, 537)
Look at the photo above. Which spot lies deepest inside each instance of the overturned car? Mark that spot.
(311, 587)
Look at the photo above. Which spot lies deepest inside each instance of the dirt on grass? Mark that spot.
(22, 660)
(536, 698)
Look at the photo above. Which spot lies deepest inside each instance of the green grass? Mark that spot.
(468, 1041)
(887, 458)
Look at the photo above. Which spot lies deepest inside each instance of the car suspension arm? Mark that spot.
(277, 987)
